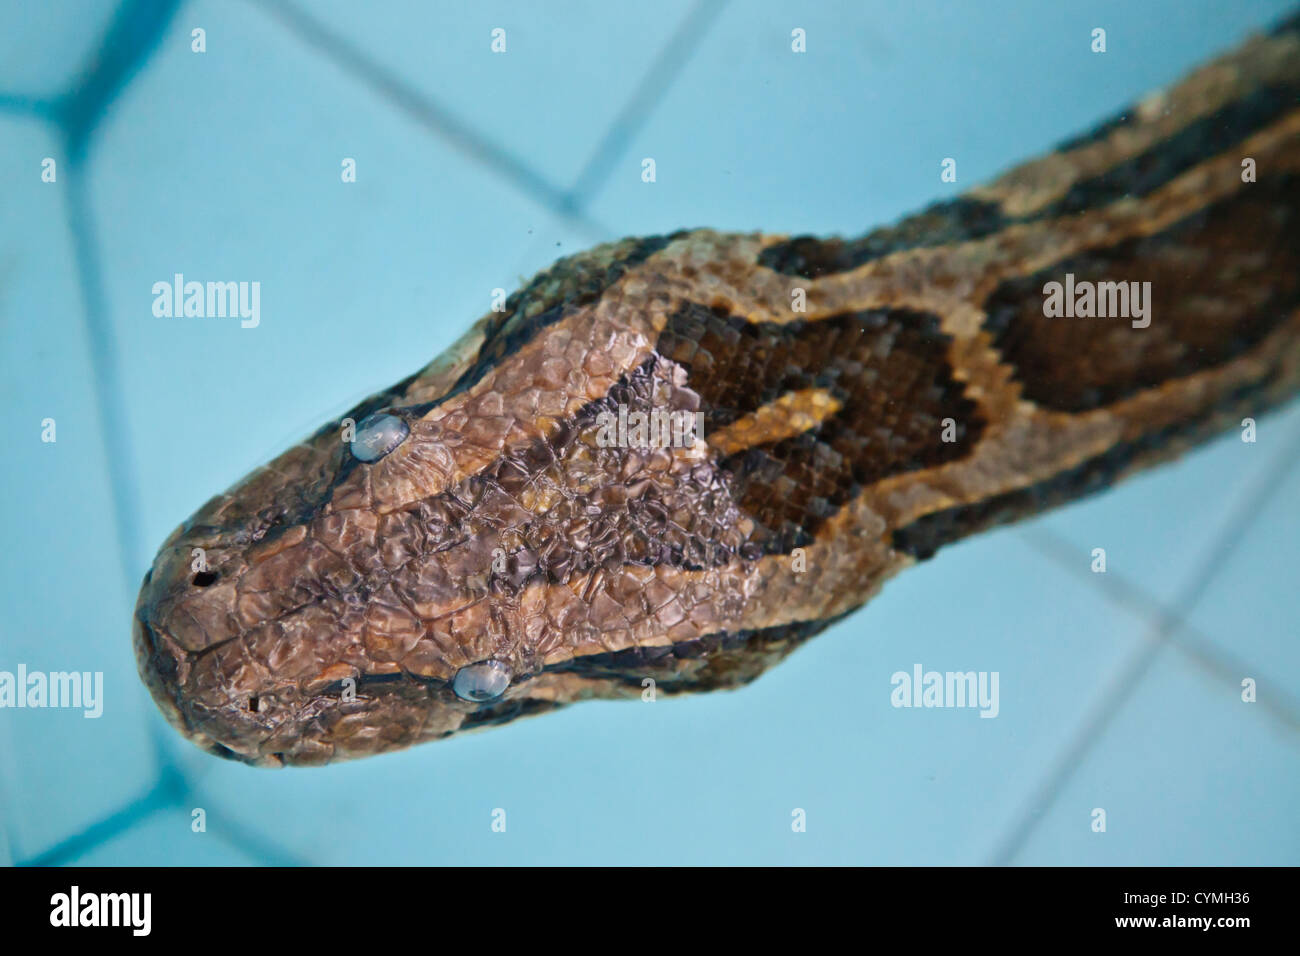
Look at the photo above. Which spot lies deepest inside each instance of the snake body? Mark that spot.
(468, 546)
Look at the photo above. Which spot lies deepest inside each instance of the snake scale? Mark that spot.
(471, 545)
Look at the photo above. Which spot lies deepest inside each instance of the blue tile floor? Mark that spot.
(1119, 691)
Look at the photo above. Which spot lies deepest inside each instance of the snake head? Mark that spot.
(464, 548)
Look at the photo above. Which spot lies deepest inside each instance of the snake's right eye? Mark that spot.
(486, 680)
(377, 435)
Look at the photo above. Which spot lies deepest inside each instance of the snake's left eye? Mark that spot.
(377, 435)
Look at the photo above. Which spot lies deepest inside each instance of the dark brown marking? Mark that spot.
(889, 370)
(1194, 143)
(958, 220)
(1289, 24)
(729, 659)
(924, 536)
(1221, 279)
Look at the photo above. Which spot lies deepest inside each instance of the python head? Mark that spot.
(493, 537)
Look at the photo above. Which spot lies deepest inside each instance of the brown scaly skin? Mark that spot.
(921, 396)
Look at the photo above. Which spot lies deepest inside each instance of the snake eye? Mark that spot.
(377, 435)
(485, 680)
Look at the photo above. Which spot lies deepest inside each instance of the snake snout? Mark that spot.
(185, 609)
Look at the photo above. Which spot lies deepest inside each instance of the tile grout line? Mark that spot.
(679, 49)
(109, 396)
(249, 841)
(76, 117)
(1197, 648)
(1112, 699)
(168, 790)
(132, 37)
(674, 55)
(428, 113)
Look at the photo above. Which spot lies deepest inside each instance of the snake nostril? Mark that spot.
(204, 579)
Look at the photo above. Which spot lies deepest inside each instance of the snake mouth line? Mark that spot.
(162, 689)
(686, 666)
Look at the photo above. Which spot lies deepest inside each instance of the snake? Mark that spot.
(663, 464)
